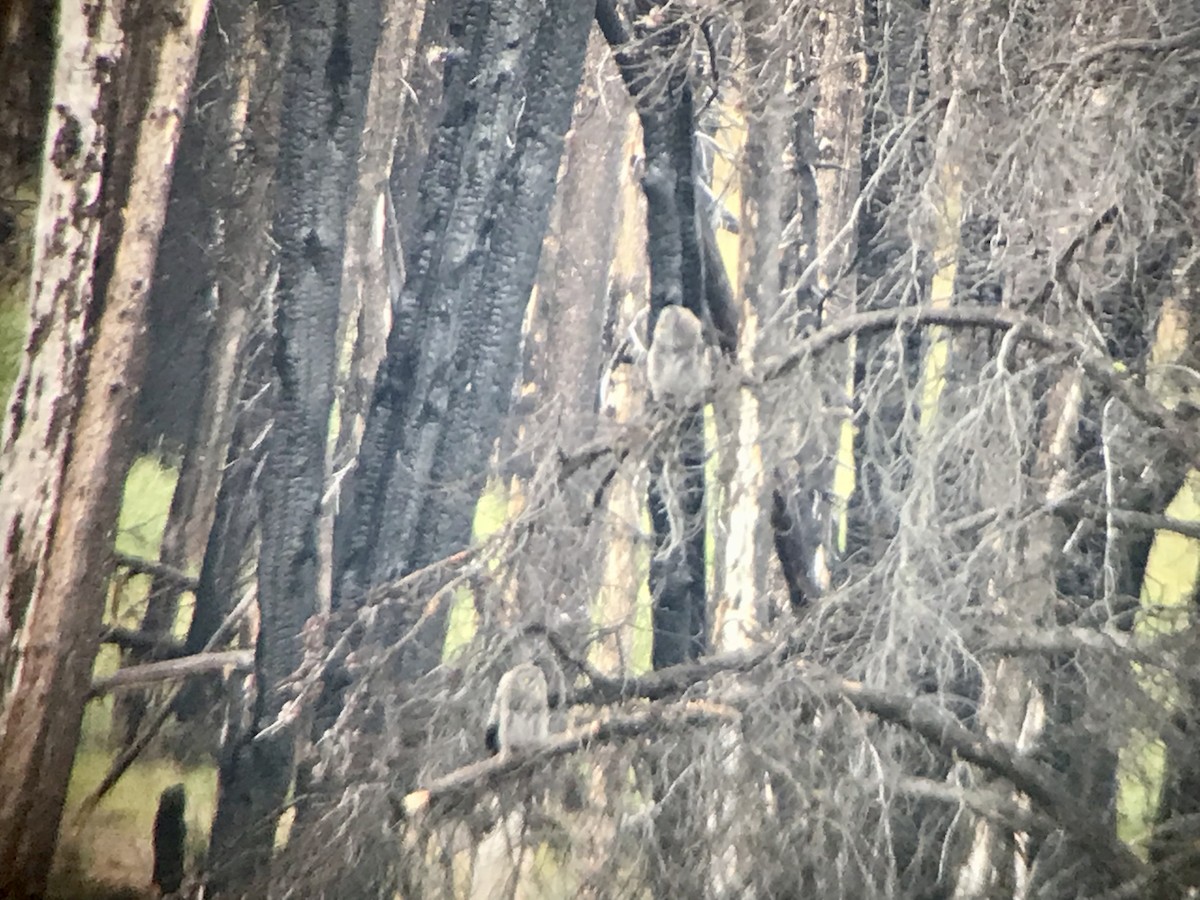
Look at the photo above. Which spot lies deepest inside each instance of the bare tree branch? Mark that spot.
(125, 759)
(942, 730)
(173, 669)
(139, 566)
(463, 785)
(132, 638)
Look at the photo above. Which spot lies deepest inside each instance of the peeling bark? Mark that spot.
(59, 635)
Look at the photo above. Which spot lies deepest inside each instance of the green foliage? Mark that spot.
(144, 507)
(491, 514)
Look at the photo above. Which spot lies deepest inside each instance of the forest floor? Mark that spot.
(109, 854)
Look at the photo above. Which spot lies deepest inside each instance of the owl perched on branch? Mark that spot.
(520, 716)
(677, 363)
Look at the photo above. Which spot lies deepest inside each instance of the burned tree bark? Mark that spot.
(208, 298)
(169, 837)
(661, 90)
(453, 352)
(454, 348)
(331, 47)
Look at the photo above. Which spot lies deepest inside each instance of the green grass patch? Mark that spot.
(491, 515)
(113, 845)
(13, 321)
(15, 267)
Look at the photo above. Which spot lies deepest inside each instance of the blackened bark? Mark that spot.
(331, 46)
(677, 276)
(454, 348)
(169, 838)
(421, 121)
(229, 539)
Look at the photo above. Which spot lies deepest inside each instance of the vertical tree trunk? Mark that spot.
(221, 190)
(60, 631)
(664, 102)
(38, 416)
(331, 48)
(624, 397)
(767, 184)
(371, 239)
(565, 344)
(454, 349)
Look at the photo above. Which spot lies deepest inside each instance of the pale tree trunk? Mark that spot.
(564, 344)
(1012, 708)
(622, 393)
(36, 436)
(741, 615)
(60, 632)
(837, 130)
(233, 194)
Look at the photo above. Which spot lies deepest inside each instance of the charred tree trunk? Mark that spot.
(372, 239)
(654, 68)
(663, 97)
(453, 352)
(331, 47)
(454, 348)
(60, 589)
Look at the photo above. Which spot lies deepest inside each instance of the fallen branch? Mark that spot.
(988, 804)
(936, 726)
(1133, 518)
(660, 685)
(941, 730)
(1102, 368)
(173, 669)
